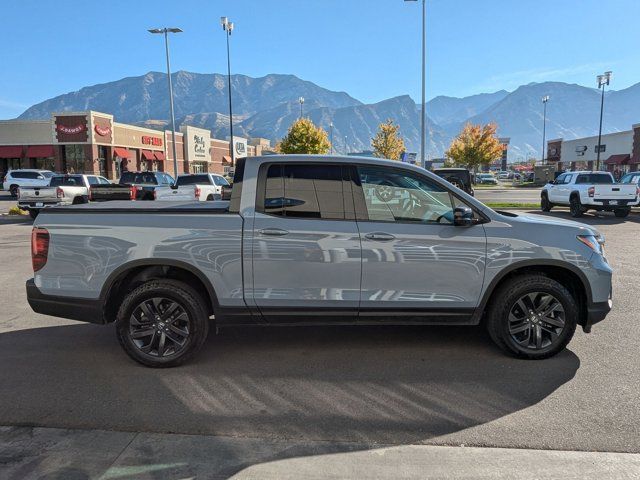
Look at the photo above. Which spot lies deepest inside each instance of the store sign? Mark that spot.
(70, 130)
(102, 131)
(240, 146)
(199, 146)
(155, 141)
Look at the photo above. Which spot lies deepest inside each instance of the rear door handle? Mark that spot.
(278, 232)
(380, 236)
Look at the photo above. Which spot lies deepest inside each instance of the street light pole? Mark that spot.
(603, 80)
(166, 32)
(301, 100)
(423, 117)
(331, 136)
(545, 99)
(227, 26)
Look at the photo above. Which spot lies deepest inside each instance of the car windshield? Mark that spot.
(192, 180)
(139, 178)
(631, 178)
(66, 180)
(595, 178)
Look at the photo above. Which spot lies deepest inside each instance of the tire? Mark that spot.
(506, 316)
(545, 204)
(575, 207)
(13, 191)
(158, 296)
(33, 213)
(622, 212)
(210, 198)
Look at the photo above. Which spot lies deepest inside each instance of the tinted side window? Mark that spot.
(93, 180)
(18, 174)
(305, 191)
(561, 179)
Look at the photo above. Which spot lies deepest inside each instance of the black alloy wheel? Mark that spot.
(622, 212)
(162, 323)
(159, 327)
(536, 320)
(575, 207)
(545, 205)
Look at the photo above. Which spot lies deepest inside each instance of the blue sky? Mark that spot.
(368, 48)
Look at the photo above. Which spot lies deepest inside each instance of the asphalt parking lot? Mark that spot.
(331, 390)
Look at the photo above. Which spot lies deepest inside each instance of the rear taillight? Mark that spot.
(18, 192)
(155, 194)
(90, 194)
(638, 191)
(39, 247)
(197, 192)
(59, 193)
(132, 193)
(592, 191)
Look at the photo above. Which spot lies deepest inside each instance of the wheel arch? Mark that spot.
(131, 274)
(568, 275)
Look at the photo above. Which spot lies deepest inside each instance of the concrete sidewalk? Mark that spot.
(50, 453)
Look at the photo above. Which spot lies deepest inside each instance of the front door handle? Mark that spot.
(379, 236)
(278, 232)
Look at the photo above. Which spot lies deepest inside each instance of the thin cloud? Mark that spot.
(10, 104)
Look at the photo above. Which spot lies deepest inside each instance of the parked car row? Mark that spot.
(39, 189)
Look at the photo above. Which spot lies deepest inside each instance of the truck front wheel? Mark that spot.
(532, 316)
(162, 323)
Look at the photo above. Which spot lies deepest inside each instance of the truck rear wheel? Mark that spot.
(162, 323)
(13, 190)
(532, 317)
(622, 212)
(33, 213)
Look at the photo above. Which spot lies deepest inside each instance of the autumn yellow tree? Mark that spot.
(387, 143)
(304, 137)
(475, 145)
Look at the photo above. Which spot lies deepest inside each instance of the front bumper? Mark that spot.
(82, 309)
(596, 312)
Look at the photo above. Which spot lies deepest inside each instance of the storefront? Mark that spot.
(197, 149)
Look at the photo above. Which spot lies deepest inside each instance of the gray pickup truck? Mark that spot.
(309, 240)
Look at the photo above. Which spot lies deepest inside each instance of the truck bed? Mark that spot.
(120, 206)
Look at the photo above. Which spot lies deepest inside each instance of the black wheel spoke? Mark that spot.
(143, 333)
(169, 311)
(161, 344)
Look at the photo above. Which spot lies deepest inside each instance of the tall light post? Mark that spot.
(331, 136)
(603, 80)
(166, 31)
(423, 119)
(545, 99)
(301, 100)
(227, 26)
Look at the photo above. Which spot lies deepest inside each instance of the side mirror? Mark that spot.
(463, 217)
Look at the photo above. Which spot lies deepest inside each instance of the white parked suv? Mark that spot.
(26, 178)
(582, 191)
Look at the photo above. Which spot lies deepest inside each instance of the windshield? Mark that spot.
(595, 178)
(139, 178)
(193, 179)
(67, 181)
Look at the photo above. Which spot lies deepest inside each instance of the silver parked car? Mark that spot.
(318, 239)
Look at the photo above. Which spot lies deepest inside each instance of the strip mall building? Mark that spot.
(91, 142)
(619, 152)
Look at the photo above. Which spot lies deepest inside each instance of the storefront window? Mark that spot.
(199, 167)
(48, 163)
(73, 159)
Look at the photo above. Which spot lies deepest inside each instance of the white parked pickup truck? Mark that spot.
(62, 190)
(583, 191)
(208, 187)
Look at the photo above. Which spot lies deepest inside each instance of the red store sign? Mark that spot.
(71, 130)
(155, 141)
(102, 131)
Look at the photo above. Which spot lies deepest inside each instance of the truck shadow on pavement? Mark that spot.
(315, 390)
(590, 218)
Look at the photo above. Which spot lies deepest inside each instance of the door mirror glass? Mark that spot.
(463, 217)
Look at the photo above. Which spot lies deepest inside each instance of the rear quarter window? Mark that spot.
(67, 181)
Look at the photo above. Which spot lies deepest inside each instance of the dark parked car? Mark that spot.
(459, 177)
(132, 186)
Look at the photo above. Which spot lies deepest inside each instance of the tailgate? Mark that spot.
(33, 194)
(110, 192)
(616, 191)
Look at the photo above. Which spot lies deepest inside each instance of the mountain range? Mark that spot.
(266, 107)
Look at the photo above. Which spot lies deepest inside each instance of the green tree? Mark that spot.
(475, 145)
(387, 143)
(304, 137)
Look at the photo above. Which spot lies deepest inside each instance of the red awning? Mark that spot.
(226, 159)
(11, 151)
(40, 151)
(159, 155)
(148, 155)
(618, 159)
(121, 152)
